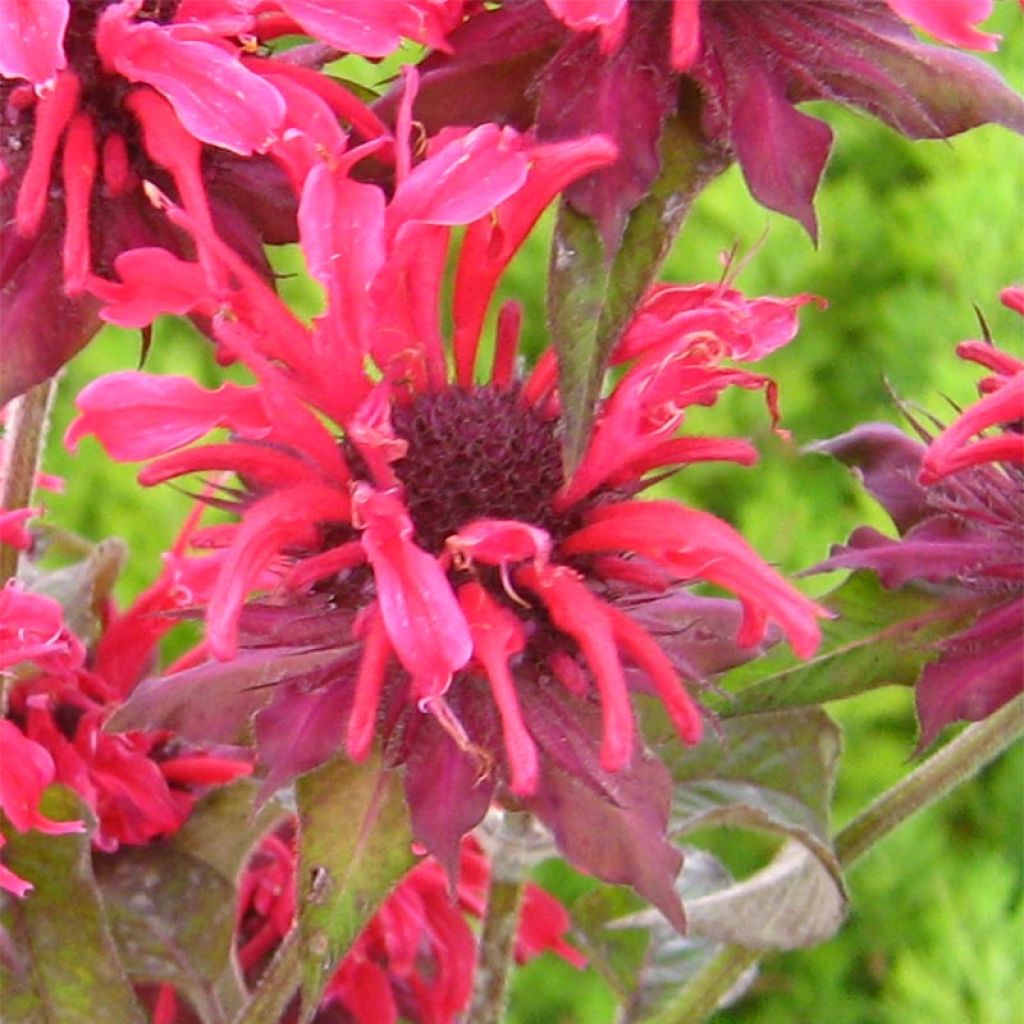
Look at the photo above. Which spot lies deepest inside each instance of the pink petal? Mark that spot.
(952, 21)
(424, 622)
(137, 415)
(216, 97)
(696, 545)
(32, 39)
(497, 635)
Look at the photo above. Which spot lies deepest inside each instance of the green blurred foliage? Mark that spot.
(913, 235)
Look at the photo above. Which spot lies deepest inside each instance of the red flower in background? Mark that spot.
(958, 503)
(629, 66)
(443, 588)
(415, 959)
(138, 784)
(100, 98)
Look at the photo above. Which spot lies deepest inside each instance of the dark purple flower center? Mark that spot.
(477, 454)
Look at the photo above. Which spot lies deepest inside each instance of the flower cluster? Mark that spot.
(958, 503)
(472, 606)
(59, 694)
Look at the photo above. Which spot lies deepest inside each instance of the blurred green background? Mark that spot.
(912, 237)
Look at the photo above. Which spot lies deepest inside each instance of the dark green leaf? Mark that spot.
(355, 844)
(67, 970)
(773, 773)
(224, 826)
(173, 918)
(880, 638)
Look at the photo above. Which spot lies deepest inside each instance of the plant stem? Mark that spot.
(278, 985)
(28, 418)
(956, 762)
(510, 864)
(931, 780)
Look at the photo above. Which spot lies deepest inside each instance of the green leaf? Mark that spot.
(355, 844)
(224, 826)
(639, 953)
(173, 917)
(67, 970)
(879, 638)
(172, 907)
(773, 773)
(593, 295)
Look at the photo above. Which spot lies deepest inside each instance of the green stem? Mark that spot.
(931, 780)
(510, 865)
(956, 762)
(278, 985)
(28, 418)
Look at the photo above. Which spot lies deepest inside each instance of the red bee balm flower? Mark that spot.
(569, 67)
(958, 504)
(452, 594)
(99, 98)
(416, 957)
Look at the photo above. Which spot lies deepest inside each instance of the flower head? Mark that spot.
(443, 588)
(958, 503)
(101, 101)
(570, 67)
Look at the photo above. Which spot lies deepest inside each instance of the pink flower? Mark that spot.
(484, 612)
(957, 504)
(571, 67)
(139, 785)
(416, 957)
(103, 101)
(26, 769)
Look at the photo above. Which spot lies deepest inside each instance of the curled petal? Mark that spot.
(953, 450)
(288, 516)
(423, 620)
(32, 34)
(500, 541)
(952, 21)
(696, 545)
(216, 97)
(137, 415)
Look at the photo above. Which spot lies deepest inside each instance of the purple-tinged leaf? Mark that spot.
(173, 918)
(627, 96)
(302, 728)
(887, 461)
(73, 974)
(880, 637)
(449, 789)
(769, 772)
(355, 844)
(43, 327)
(610, 824)
(214, 702)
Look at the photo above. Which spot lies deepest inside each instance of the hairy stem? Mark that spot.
(510, 864)
(278, 985)
(931, 780)
(28, 418)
